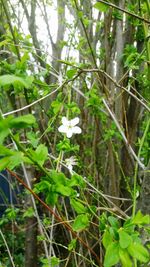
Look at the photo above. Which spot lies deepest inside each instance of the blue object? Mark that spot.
(8, 192)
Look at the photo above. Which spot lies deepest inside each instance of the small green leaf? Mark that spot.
(4, 129)
(15, 160)
(78, 207)
(138, 252)
(71, 73)
(51, 198)
(28, 213)
(112, 255)
(141, 219)
(58, 177)
(12, 161)
(54, 261)
(107, 239)
(43, 185)
(40, 154)
(124, 239)
(81, 222)
(72, 245)
(22, 121)
(63, 190)
(101, 7)
(4, 163)
(113, 221)
(12, 79)
(125, 258)
(76, 180)
(5, 151)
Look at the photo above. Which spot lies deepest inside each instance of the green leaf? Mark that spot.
(101, 7)
(4, 129)
(58, 177)
(125, 258)
(71, 73)
(63, 190)
(5, 151)
(141, 219)
(81, 222)
(12, 161)
(78, 207)
(72, 245)
(22, 121)
(43, 185)
(40, 154)
(15, 160)
(107, 239)
(12, 79)
(138, 252)
(4, 163)
(124, 239)
(113, 221)
(76, 180)
(51, 198)
(54, 261)
(112, 255)
(28, 213)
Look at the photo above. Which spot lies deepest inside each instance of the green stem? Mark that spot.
(136, 167)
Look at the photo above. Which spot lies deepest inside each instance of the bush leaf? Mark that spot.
(112, 255)
(124, 239)
(81, 222)
(137, 251)
(101, 7)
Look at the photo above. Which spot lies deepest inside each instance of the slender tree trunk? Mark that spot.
(31, 230)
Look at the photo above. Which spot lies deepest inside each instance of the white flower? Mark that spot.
(69, 128)
(70, 162)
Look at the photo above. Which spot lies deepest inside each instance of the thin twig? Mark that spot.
(8, 250)
(130, 149)
(58, 218)
(125, 11)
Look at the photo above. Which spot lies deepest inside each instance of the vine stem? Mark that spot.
(58, 218)
(136, 167)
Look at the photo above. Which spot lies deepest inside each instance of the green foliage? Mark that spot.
(81, 222)
(101, 7)
(132, 59)
(71, 73)
(7, 80)
(112, 255)
(123, 243)
(78, 207)
(53, 261)
(22, 121)
(26, 78)
(72, 245)
(40, 154)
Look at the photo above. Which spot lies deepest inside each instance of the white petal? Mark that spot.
(70, 167)
(63, 129)
(69, 132)
(74, 121)
(65, 121)
(76, 130)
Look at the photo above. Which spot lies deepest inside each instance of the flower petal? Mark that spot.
(69, 132)
(65, 121)
(63, 129)
(70, 167)
(76, 130)
(74, 121)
